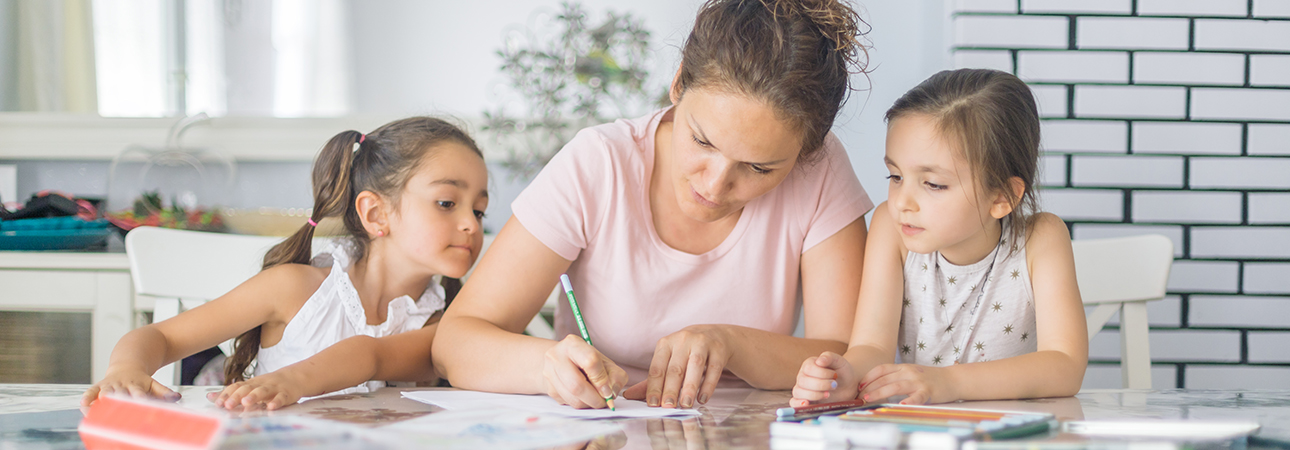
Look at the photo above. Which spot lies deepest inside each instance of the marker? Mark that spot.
(582, 326)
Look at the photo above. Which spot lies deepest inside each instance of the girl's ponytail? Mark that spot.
(332, 180)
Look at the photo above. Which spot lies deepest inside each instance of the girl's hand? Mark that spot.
(687, 364)
(576, 374)
(825, 377)
(922, 384)
(270, 391)
(128, 382)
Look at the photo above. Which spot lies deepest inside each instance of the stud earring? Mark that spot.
(380, 232)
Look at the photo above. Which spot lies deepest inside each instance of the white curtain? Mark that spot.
(54, 68)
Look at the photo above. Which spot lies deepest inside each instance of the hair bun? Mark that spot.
(835, 20)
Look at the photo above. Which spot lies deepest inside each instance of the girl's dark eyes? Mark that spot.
(479, 215)
(446, 204)
(894, 178)
(934, 186)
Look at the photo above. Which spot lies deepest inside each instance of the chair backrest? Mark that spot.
(1123, 269)
(192, 264)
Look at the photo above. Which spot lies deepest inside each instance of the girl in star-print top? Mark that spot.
(969, 288)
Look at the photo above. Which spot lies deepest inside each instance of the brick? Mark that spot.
(1187, 138)
(1166, 312)
(1240, 242)
(1052, 170)
(1267, 278)
(1011, 32)
(1188, 68)
(1192, 7)
(1203, 276)
(1131, 101)
(1131, 33)
(1238, 311)
(1051, 100)
(1112, 230)
(1003, 6)
(1127, 171)
(1269, 208)
(1270, 70)
(1073, 67)
(1083, 204)
(1242, 34)
(1249, 172)
(1271, 8)
(1186, 207)
(1269, 346)
(1076, 6)
(1084, 136)
(1107, 376)
(1240, 104)
(1237, 377)
(1268, 139)
(983, 59)
(1175, 346)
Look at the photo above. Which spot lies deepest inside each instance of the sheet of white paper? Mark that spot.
(492, 429)
(540, 404)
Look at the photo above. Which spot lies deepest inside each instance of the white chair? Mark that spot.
(176, 270)
(1122, 275)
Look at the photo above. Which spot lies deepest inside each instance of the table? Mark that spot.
(734, 418)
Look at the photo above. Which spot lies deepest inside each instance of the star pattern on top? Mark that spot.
(1016, 273)
(996, 307)
(942, 302)
(904, 349)
(1007, 329)
(953, 280)
(905, 303)
(1025, 336)
(937, 359)
(980, 346)
(922, 345)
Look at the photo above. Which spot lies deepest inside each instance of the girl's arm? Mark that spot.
(877, 320)
(479, 345)
(354, 360)
(1056, 369)
(268, 296)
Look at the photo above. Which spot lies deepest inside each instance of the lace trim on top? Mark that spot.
(336, 254)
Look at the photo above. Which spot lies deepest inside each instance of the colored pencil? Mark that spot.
(820, 408)
(582, 326)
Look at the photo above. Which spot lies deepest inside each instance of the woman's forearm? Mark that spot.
(768, 360)
(475, 354)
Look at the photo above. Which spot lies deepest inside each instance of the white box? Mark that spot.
(8, 183)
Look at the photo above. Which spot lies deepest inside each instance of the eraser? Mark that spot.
(117, 422)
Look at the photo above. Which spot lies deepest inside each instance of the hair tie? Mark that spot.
(311, 222)
(361, 137)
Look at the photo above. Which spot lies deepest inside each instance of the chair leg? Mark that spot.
(1135, 349)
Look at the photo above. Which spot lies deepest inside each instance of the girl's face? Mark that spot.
(728, 149)
(932, 195)
(439, 220)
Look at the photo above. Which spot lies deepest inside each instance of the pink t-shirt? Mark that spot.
(590, 205)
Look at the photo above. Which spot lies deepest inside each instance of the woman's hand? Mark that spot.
(922, 384)
(134, 383)
(576, 374)
(825, 377)
(271, 391)
(687, 364)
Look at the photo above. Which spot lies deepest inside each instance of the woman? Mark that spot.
(685, 232)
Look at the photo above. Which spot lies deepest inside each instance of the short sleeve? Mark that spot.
(562, 204)
(838, 197)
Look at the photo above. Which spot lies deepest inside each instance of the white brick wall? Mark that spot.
(1187, 137)
(1084, 136)
(1129, 171)
(1181, 108)
(1270, 70)
(1204, 276)
(1240, 242)
(1073, 66)
(1165, 102)
(1131, 33)
(1242, 34)
(1267, 278)
(1186, 207)
(1269, 139)
(1270, 208)
(1239, 311)
(1201, 68)
(1192, 7)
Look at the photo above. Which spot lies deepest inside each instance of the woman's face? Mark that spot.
(727, 149)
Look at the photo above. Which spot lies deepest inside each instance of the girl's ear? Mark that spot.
(373, 211)
(674, 92)
(1003, 205)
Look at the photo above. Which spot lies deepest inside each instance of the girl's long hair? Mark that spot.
(382, 163)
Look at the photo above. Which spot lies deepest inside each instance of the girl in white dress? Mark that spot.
(966, 285)
(412, 195)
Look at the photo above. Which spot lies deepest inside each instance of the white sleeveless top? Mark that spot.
(960, 314)
(334, 312)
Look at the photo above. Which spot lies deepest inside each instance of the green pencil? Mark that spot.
(582, 326)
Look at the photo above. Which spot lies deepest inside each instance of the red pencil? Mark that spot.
(820, 408)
